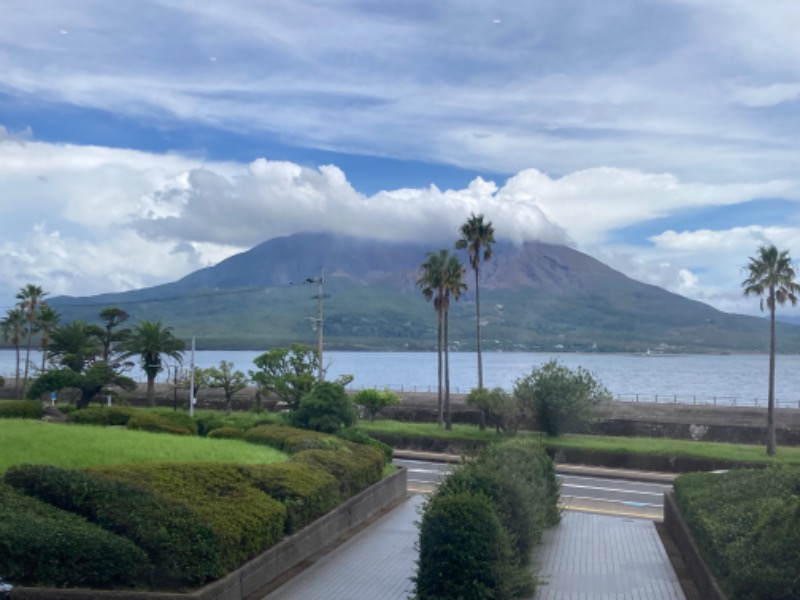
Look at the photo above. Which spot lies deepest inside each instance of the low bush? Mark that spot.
(747, 526)
(306, 491)
(102, 415)
(373, 402)
(357, 436)
(355, 469)
(208, 422)
(244, 520)
(155, 423)
(290, 439)
(21, 409)
(183, 550)
(463, 550)
(228, 433)
(41, 545)
(326, 408)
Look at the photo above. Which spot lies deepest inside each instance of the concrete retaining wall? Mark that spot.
(246, 582)
(698, 570)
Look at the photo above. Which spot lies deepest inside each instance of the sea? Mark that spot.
(737, 379)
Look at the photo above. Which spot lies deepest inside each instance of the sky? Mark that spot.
(141, 140)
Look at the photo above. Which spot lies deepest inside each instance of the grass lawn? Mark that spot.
(76, 446)
(628, 445)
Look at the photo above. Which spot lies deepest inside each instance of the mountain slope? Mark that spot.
(534, 297)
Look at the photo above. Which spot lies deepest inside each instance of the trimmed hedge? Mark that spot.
(746, 524)
(292, 440)
(355, 469)
(357, 436)
(42, 545)
(155, 423)
(517, 481)
(110, 416)
(245, 520)
(306, 491)
(463, 550)
(21, 409)
(183, 550)
(226, 433)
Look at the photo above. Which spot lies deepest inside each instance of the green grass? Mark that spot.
(787, 455)
(77, 446)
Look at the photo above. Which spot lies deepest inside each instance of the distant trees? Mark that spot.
(13, 328)
(289, 373)
(151, 341)
(771, 273)
(226, 379)
(477, 237)
(29, 299)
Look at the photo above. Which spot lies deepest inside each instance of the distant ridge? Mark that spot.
(535, 296)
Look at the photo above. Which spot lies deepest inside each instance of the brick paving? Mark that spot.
(586, 557)
(594, 557)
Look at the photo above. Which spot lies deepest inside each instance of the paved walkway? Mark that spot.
(595, 557)
(586, 557)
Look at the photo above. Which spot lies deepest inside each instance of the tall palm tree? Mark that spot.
(771, 272)
(13, 327)
(29, 298)
(431, 282)
(453, 286)
(150, 340)
(48, 321)
(477, 237)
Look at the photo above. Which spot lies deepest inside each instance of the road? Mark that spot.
(608, 496)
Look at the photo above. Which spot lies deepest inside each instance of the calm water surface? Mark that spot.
(735, 379)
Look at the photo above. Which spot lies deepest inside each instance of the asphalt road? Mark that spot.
(607, 496)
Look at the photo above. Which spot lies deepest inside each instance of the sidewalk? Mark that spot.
(594, 557)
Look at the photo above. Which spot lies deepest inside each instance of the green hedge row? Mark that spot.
(292, 440)
(183, 550)
(747, 526)
(179, 424)
(479, 529)
(108, 416)
(245, 520)
(355, 468)
(42, 545)
(21, 409)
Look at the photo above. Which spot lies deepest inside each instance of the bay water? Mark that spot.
(685, 378)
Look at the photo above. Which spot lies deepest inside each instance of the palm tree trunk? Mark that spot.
(151, 389)
(448, 424)
(771, 393)
(478, 329)
(440, 418)
(16, 379)
(27, 362)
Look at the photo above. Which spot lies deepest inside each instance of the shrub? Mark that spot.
(500, 408)
(208, 422)
(463, 550)
(291, 440)
(245, 520)
(41, 545)
(183, 550)
(355, 470)
(2, 381)
(355, 435)
(306, 491)
(155, 423)
(372, 401)
(229, 433)
(560, 399)
(101, 415)
(742, 521)
(326, 408)
(21, 409)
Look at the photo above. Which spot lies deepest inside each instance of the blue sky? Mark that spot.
(140, 141)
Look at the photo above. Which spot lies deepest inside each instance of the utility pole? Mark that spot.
(318, 320)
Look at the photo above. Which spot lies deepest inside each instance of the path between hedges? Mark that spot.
(586, 557)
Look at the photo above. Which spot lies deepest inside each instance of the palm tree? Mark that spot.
(150, 340)
(48, 321)
(453, 285)
(29, 298)
(477, 235)
(13, 327)
(431, 282)
(771, 272)
(74, 345)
